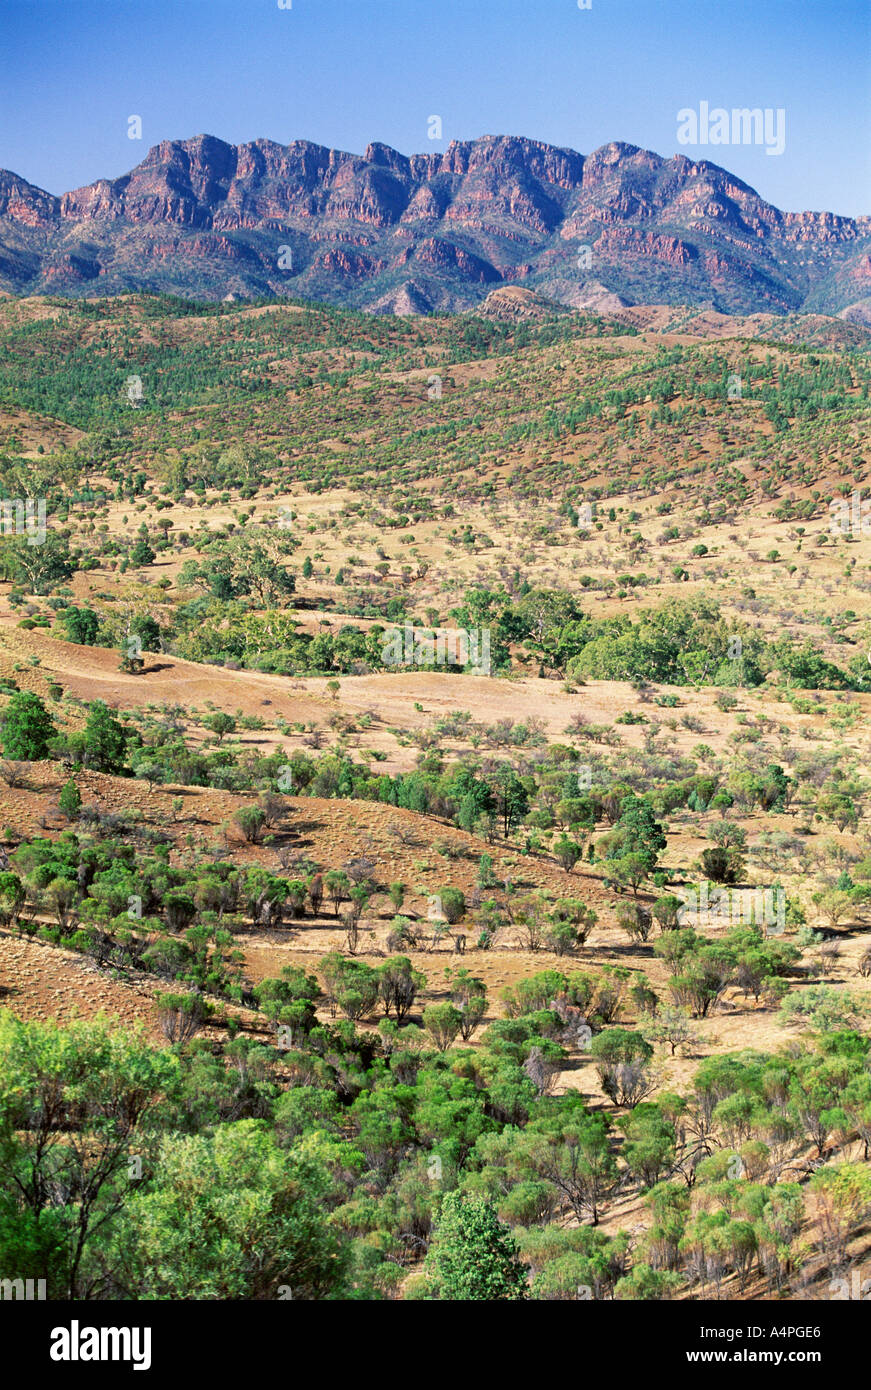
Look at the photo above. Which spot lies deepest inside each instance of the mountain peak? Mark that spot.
(431, 231)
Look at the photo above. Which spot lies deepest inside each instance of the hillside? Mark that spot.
(394, 928)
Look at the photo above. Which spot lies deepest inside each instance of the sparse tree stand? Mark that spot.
(473, 1255)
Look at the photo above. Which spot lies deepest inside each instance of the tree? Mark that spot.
(131, 661)
(338, 887)
(179, 909)
(667, 910)
(221, 724)
(841, 1201)
(316, 892)
(814, 1092)
(37, 567)
(648, 1284)
(642, 832)
(28, 728)
(568, 852)
(248, 563)
(349, 984)
(75, 1102)
(141, 552)
(669, 1025)
(147, 629)
(511, 796)
(290, 1000)
(229, 1215)
(725, 864)
(250, 820)
(776, 790)
(570, 1150)
(473, 1256)
(728, 835)
(296, 895)
(472, 795)
(150, 772)
(571, 922)
(104, 740)
(12, 897)
(453, 904)
(62, 897)
(70, 800)
(442, 1022)
(824, 1008)
(650, 1143)
(469, 996)
(856, 1100)
(13, 773)
(720, 866)
(181, 1015)
(543, 1065)
(706, 974)
(622, 1059)
(400, 935)
(840, 809)
(398, 986)
(82, 625)
(636, 920)
(629, 871)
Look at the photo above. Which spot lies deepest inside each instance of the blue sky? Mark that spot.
(344, 72)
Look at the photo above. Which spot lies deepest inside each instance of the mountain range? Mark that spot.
(390, 233)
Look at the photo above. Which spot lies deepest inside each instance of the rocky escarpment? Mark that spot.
(412, 234)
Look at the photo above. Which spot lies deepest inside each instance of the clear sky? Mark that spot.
(344, 72)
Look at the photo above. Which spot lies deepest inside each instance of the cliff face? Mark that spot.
(395, 233)
(21, 203)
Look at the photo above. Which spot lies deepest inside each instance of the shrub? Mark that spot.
(181, 1015)
(442, 1022)
(453, 904)
(250, 820)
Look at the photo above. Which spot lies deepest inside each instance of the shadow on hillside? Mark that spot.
(303, 826)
